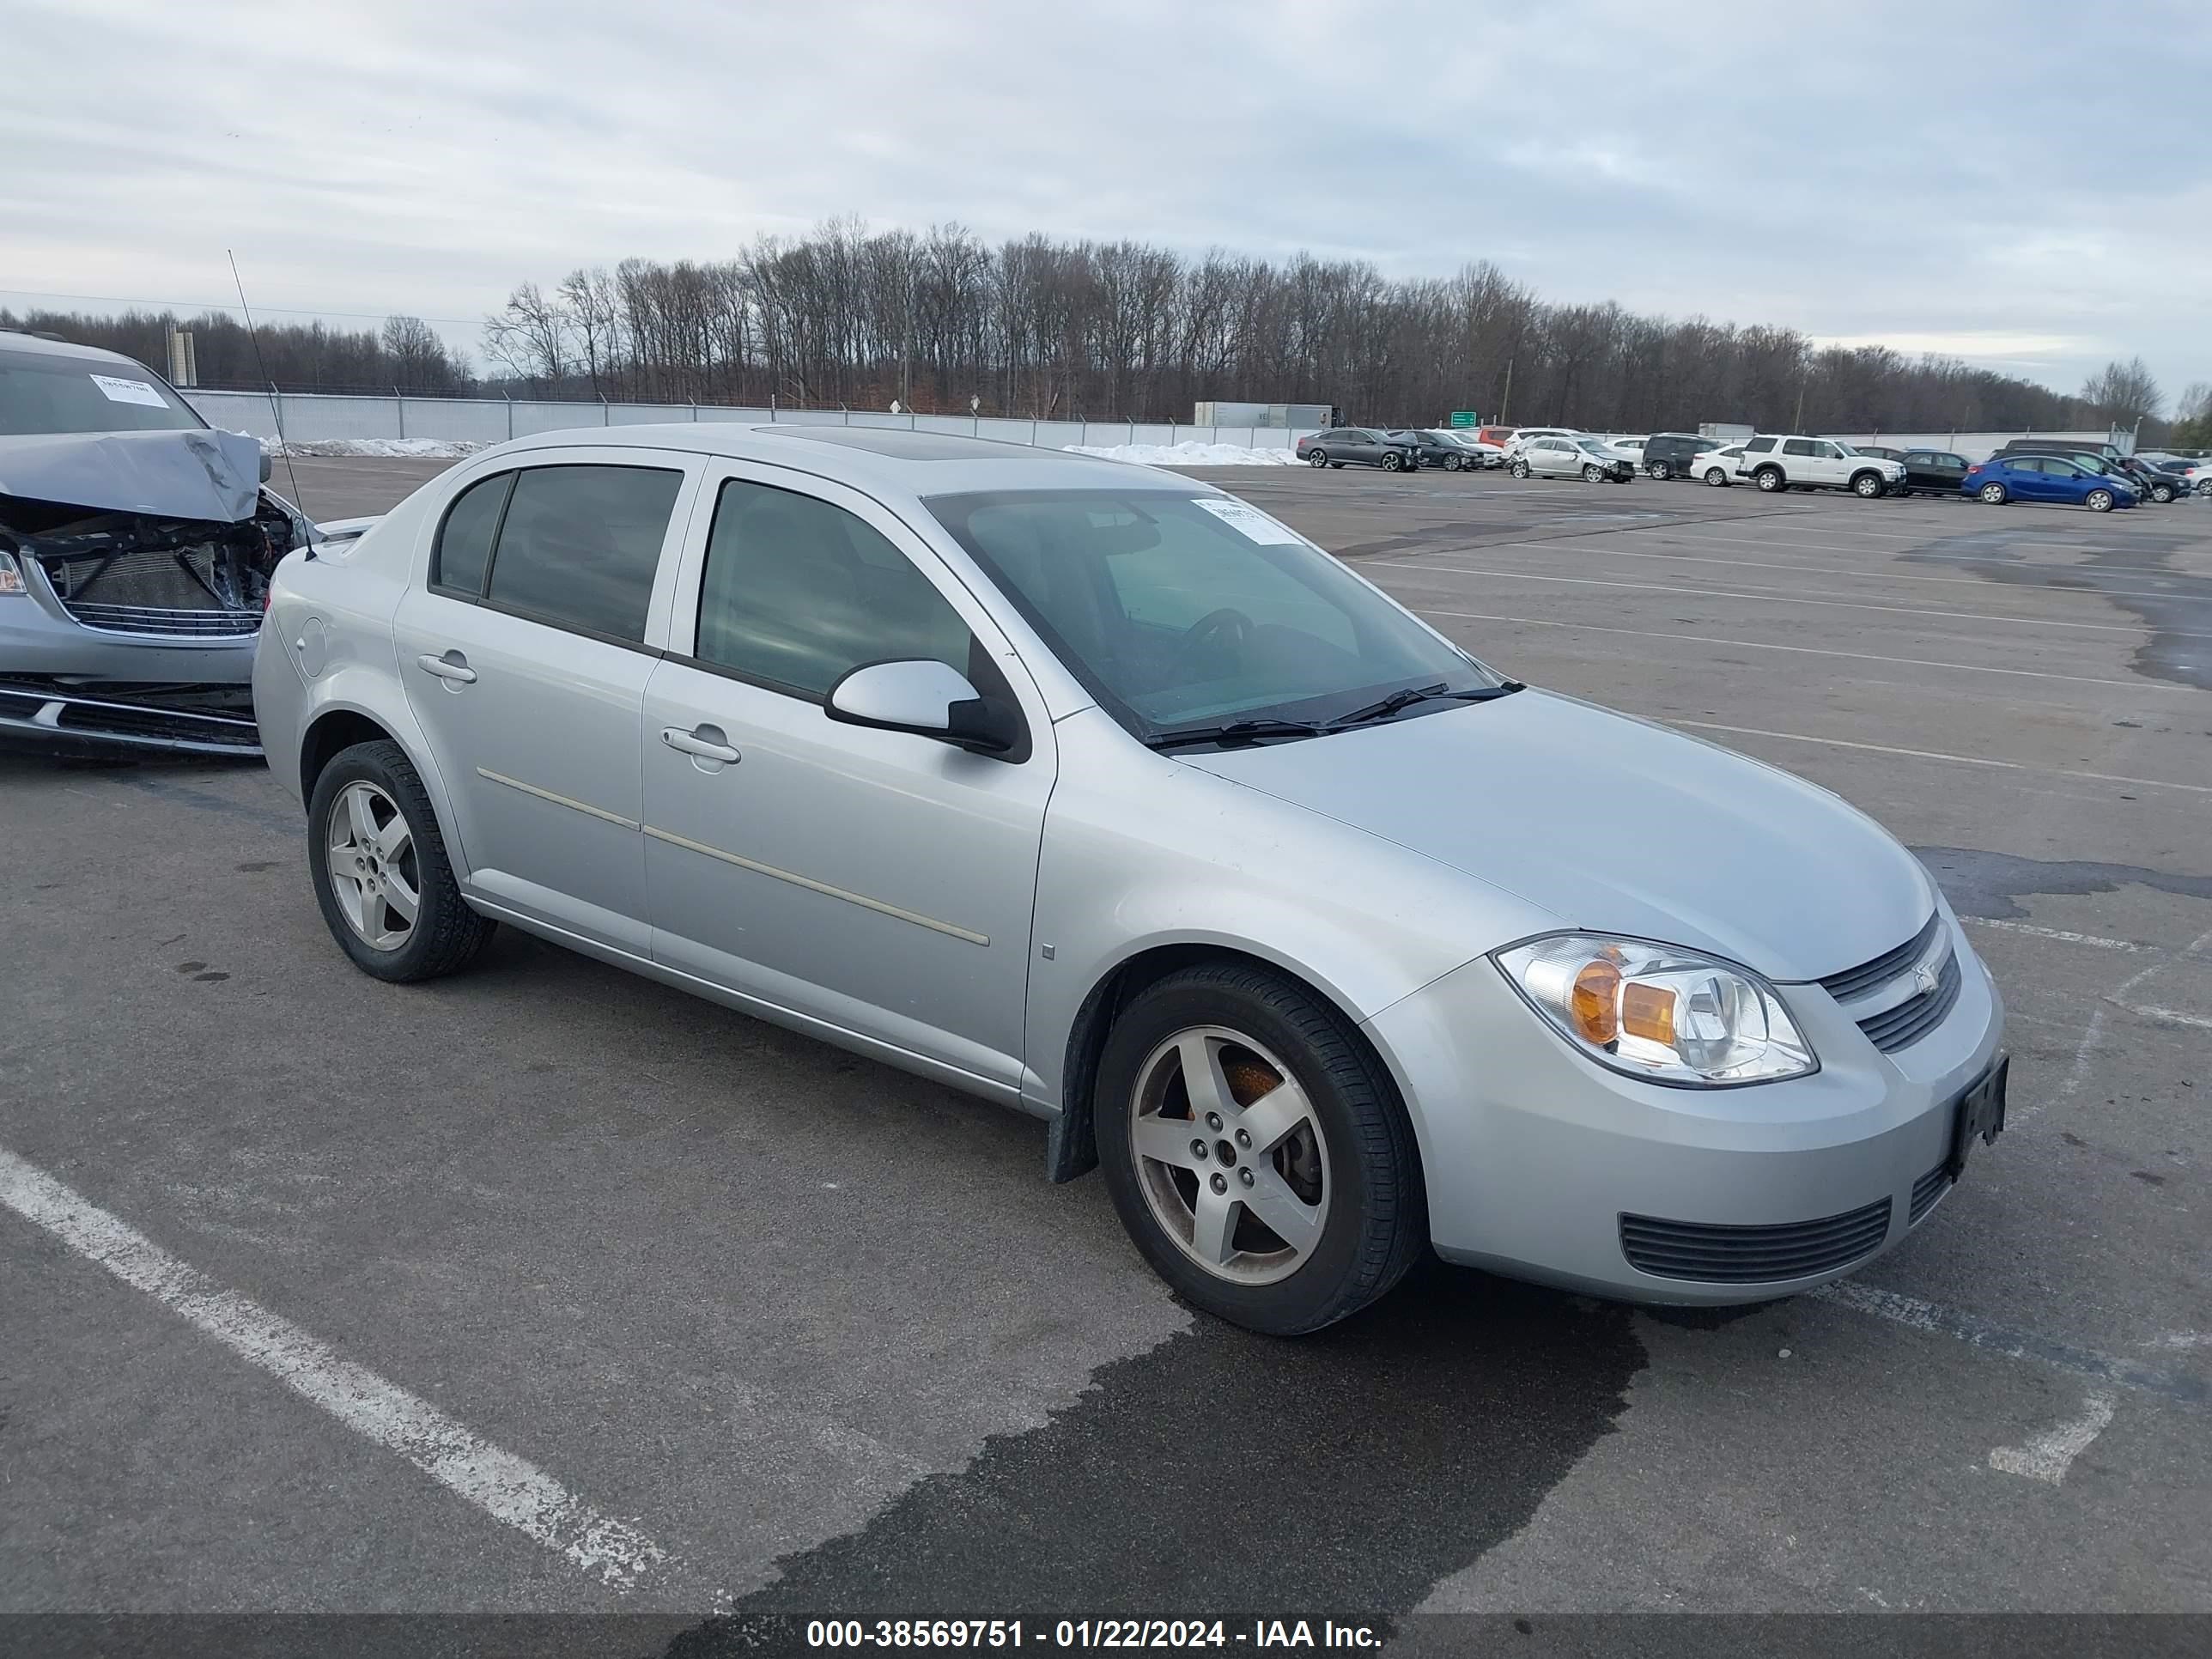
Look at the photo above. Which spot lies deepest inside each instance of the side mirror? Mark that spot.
(928, 699)
(266, 470)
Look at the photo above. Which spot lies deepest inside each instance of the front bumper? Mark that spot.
(84, 691)
(1540, 1162)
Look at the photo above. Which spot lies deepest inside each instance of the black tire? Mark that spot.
(1993, 495)
(1316, 458)
(1518, 469)
(2161, 493)
(2098, 501)
(1376, 1224)
(1339, 465)
(1658, 471)
(1715, 479)
(1869, 486)
(1390, 461)
(1770, 480)
(1593, 473)
(446, 934)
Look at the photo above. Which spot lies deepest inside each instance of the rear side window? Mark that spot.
(1759, 445)
(797, 592)
(580, 545)
(464, 550)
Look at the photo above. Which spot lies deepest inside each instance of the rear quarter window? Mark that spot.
(463, 553)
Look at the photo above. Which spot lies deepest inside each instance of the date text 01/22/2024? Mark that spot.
(1085, 1633)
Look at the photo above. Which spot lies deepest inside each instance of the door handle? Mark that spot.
(451, 667)
(705, 741)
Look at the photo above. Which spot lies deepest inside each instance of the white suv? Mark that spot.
(1776, 464)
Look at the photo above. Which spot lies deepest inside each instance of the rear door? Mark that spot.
(525, 656)
(878, 882)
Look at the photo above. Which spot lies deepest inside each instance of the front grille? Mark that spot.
(1752, 1256)
(1857, 981)
(1913, 1018)
(159, 619)
(1930, 1187)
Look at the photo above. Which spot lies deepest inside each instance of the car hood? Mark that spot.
(196, 472)
(1615, 825)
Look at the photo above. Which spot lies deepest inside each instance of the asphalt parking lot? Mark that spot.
(813, 1338)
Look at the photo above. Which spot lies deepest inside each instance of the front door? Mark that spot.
(877, 881)
(525, 656)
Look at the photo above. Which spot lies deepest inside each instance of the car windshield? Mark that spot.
(1593, 444)
(43, 392)
(1183, 610)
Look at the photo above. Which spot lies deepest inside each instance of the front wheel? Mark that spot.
(2161, 493)
(2100, 501)
(1256, 1150)
(1592, 472)
(1867, 486)
(1993, 495)
(383, 881)
(1390, 461)
(1316, 458)
(1715, 479)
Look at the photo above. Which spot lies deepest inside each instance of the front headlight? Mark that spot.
(11, 578)
(1658, 1012)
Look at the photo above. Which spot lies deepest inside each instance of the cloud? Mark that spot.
(1832, 169)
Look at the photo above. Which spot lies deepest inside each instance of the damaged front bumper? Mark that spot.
(129, 620)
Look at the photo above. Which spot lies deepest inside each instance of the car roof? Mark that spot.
(896, 459)
(37, 346)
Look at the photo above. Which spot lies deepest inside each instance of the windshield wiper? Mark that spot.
(1235, 731)
(1413, 694)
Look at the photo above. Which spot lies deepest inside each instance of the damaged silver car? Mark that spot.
(135, 548)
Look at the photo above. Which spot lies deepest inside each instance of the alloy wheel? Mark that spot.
(1229, 1155)
(373, 873)
(1994, 494)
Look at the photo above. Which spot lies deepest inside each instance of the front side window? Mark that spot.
(578, 546)
(797, 592)
(43, 392)
(1180, 611)
(1799, 446)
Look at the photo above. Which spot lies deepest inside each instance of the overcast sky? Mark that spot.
(2022, 185)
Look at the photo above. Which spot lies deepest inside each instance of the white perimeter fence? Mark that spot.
(310, 417)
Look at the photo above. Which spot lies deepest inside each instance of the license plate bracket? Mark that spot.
(1979, 1114)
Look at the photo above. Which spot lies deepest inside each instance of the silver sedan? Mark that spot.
(1091, 789)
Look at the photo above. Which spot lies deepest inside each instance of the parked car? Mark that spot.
(135, 548)
(1717, 466)
(1932, 472)
(1523, 435)
(2052, 478)
(1878, 451)
(1671, 454)
(1436, 449)
(1090, 789)
(1485, 454)
(1359, 446)
(2144, 479)
(1570, 458)
(1775, 463)
(2161, 481)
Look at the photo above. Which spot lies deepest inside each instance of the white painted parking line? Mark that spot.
(1682, 591)
(1816, 651)
(2059, 933)
(1979, 1332)
(504, 1487)
(2051, 1454)
(2167, 1016)
(1882, 573)
(1938, 755)
(1774, 546)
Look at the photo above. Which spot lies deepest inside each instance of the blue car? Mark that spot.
(2004, 478)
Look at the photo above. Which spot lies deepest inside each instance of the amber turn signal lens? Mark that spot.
(1596, 986)
(1647, 1012)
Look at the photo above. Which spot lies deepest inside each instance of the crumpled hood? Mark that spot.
(1616, 826)
(195, 473)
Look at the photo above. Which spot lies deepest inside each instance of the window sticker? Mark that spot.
(129, 391)
(1253, 523)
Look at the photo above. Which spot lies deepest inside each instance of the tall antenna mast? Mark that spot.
(275, 408)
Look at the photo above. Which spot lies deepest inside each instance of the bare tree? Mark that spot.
(2123, 394)
(529, 336)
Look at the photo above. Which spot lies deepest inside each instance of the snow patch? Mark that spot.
(1186, 454)
(437, 449)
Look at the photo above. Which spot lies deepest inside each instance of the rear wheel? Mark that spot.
(1715, 479)
(1256, 1150)
(1769, 479)
(1993, 494)
(382, 879)
(1658, 471)
(2098, 501)
(1316, 458)
(1519, 469)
